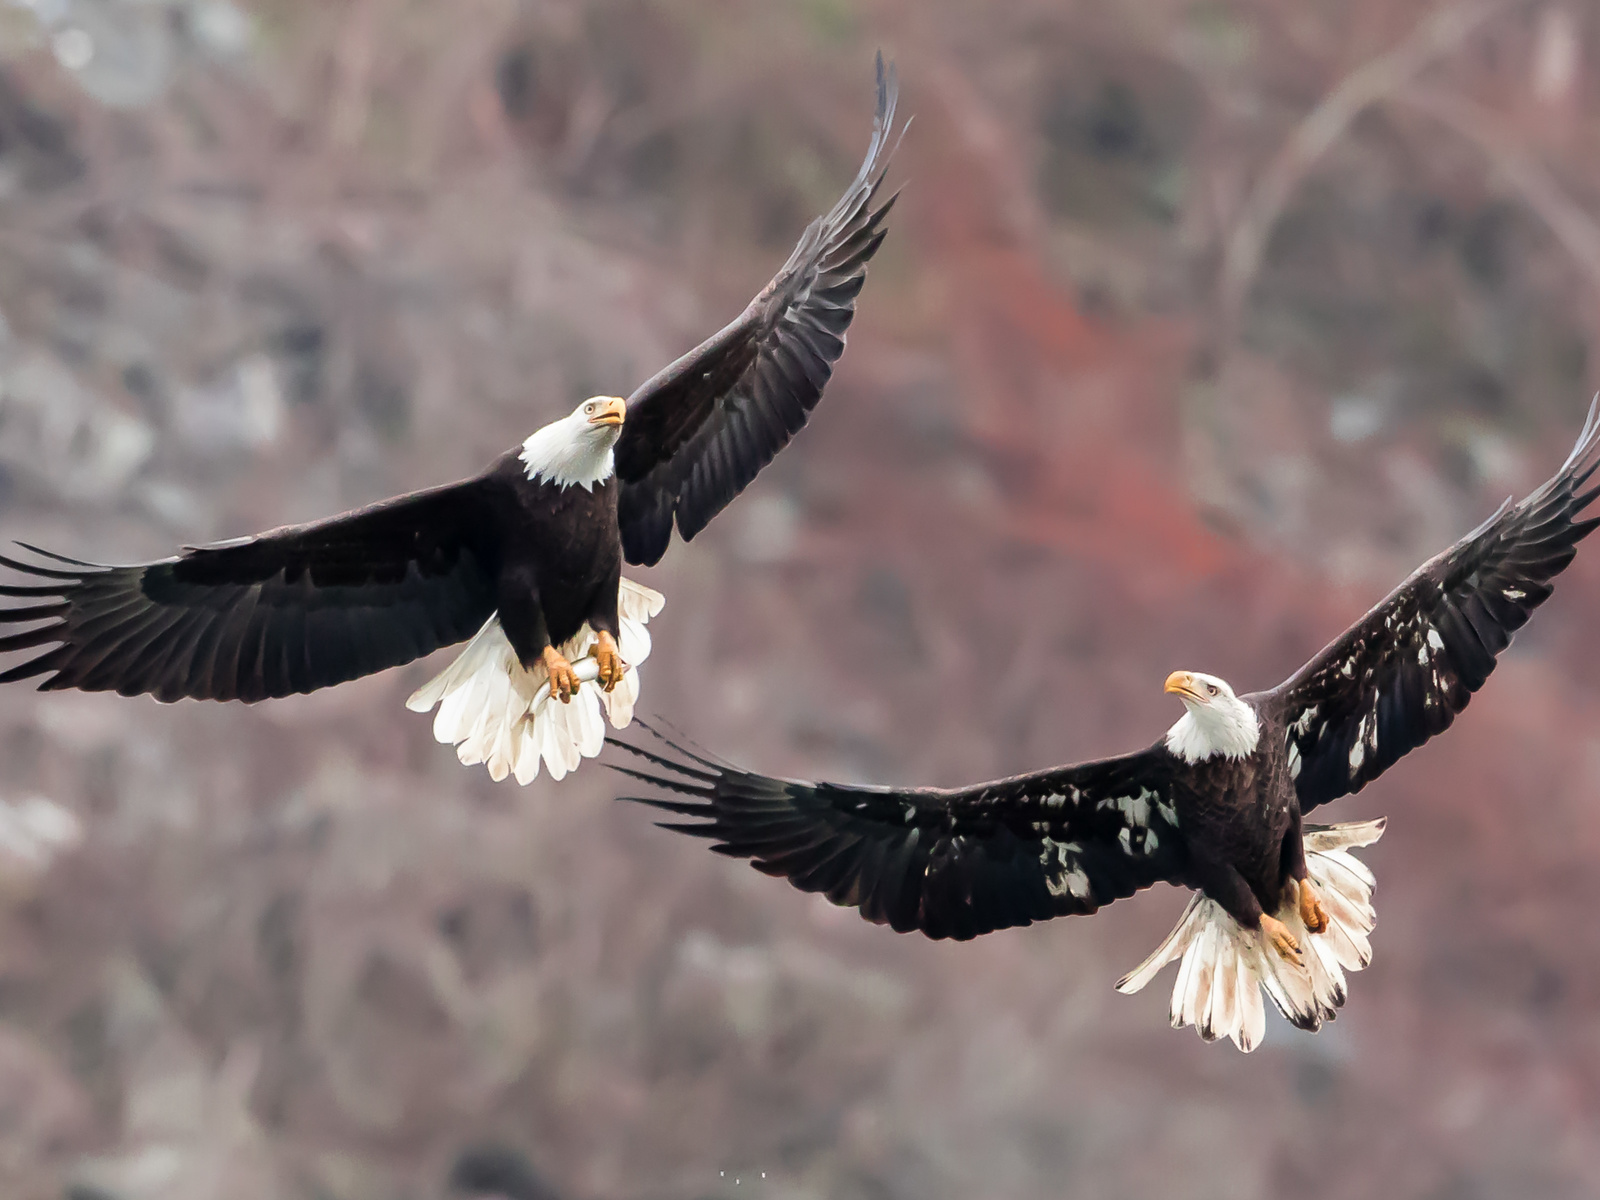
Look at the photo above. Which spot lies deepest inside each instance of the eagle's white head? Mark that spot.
(577, 448)
(1215, 721)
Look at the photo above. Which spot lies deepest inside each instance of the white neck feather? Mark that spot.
(1227, 726)
(570, 451)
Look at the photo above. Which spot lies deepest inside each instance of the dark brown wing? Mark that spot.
(953, 863)
(291, 610)
(1402, 673)
(702, 429)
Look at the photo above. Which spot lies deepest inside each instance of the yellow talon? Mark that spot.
(611, 664)
(563, 679)
(1314, 916)
(1282, 940)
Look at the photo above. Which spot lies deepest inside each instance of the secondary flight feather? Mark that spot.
(525, 558)
(1216, 805)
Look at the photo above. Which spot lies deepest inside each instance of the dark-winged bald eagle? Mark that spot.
(527, 556)
(1216, 805)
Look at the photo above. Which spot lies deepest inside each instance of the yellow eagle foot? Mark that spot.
(1312, 914)
(563, 679)
(611, 664)
(1284, 942)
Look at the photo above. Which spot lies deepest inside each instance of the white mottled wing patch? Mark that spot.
(1334, 744)
(953, 863)
(1063, 869)
(1400, 674)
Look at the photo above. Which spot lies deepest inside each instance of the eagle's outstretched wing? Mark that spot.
(1402, 673)
(702, 428)
(291, 610)
(952, 863)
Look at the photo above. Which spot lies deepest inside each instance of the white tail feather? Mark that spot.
(497, 712)
(1224, 967)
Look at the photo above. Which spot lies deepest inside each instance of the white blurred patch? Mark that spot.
(125, 53)
(244, 410)
(769, 529)
(176, 506)
(1494, 457)
(1355, 418)
(33, 831)
(220, 27)
(1557, 53)
(121, 54)
(74, 48)
(64, 436)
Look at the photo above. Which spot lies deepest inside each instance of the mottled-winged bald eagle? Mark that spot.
(1216, 805)
(527, 556)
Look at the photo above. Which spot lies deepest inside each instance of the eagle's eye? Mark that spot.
(589, 408)
(1212, 688)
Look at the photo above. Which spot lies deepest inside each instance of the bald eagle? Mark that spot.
(525, 558)
(1218, 804)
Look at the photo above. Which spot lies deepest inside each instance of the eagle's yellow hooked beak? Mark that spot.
(1181, 683)
(608, 410)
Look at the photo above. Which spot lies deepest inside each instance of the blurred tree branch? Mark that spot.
(1377, 79)
(352, 75)
(1533, 183)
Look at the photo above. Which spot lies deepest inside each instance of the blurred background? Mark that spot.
(1201, 323)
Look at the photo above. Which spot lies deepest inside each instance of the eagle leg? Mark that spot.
(563, 679)
(1314, 916)
(1281, 939)
(611, 664)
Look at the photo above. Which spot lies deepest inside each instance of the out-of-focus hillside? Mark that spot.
(1199, 325)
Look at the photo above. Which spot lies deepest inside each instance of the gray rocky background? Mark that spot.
(1201, 323)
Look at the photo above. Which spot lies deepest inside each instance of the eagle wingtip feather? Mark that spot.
(61, 558)
(38, 571)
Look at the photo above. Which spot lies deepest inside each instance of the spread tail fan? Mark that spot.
(497, 712)
(1224, 967)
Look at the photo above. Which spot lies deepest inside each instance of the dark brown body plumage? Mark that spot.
(1241, 824)
(560, 558)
